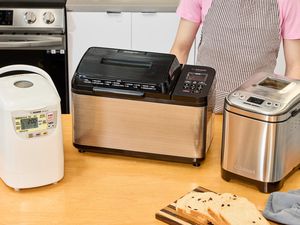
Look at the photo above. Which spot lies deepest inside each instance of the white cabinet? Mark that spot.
(89, 29)
(155, 32)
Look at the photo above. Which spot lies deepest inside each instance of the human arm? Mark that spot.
(292, 58)
(184, 39)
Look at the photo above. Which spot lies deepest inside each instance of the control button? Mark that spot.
(235, 94)
(87, 81)
(128, 85)
(29, 17)
(268, 103)
(48, 17)
(276, 105)
(107, 83)
(242, 96)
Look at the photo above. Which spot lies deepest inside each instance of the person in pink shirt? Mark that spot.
(239, 38)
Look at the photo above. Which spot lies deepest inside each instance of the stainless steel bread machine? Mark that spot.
(142, 104)
(261, 131)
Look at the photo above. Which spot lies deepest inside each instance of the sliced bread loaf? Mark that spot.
(219, 209)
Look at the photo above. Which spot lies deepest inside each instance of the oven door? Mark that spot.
(47, 52)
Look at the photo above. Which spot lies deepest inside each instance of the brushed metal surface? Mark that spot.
(277, 103)
(20, 24)
(140, 126)
(14, 41)
(260, 150)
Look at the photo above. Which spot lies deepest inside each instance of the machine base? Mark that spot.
(265, 187)
(194, 161)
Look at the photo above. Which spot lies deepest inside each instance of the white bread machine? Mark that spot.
(31, 150)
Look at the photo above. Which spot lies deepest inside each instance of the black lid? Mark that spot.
(32, 3)
(138, 67)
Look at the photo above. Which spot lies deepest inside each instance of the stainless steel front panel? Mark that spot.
(259, 150)
(20, 20)
(28, 42)
(140, 126)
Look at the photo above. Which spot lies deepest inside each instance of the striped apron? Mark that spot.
(239, 38)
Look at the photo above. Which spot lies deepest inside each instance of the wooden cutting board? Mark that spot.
(170, 216)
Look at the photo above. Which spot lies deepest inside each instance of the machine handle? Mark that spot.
(29, 41)
(28, 68)
(119, 91)
(295, 112)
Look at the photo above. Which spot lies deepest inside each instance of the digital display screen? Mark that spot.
(255, 100)
(194, 76)
(275, 84)
(29, 123)
(6, 17)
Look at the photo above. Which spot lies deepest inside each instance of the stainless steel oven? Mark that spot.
(34, 33)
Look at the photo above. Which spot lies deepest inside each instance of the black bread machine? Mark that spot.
(142, 104)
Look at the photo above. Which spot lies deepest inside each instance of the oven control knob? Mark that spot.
(48, 17)
(30, 17)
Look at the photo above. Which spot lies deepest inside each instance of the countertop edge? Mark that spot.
(124, 8)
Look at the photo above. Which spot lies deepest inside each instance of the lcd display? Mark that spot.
(255, 100)
(29, 123)
(196, 76)
(275, 84)
(6, 17)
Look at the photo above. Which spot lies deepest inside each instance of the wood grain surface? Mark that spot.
(102, 189)
(170, 216)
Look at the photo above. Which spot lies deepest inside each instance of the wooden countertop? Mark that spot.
(116, 190)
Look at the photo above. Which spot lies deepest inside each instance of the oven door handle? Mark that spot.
(24, 41)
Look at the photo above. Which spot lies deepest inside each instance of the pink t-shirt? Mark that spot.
(195, 11)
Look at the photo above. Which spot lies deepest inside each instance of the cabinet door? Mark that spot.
(96, 29)
(156, 32)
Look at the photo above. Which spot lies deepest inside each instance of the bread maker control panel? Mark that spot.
(194, 82)
(266, 94)
(35, 123)
(255, 101)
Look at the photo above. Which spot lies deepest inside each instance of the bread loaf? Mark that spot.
(207, 208)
